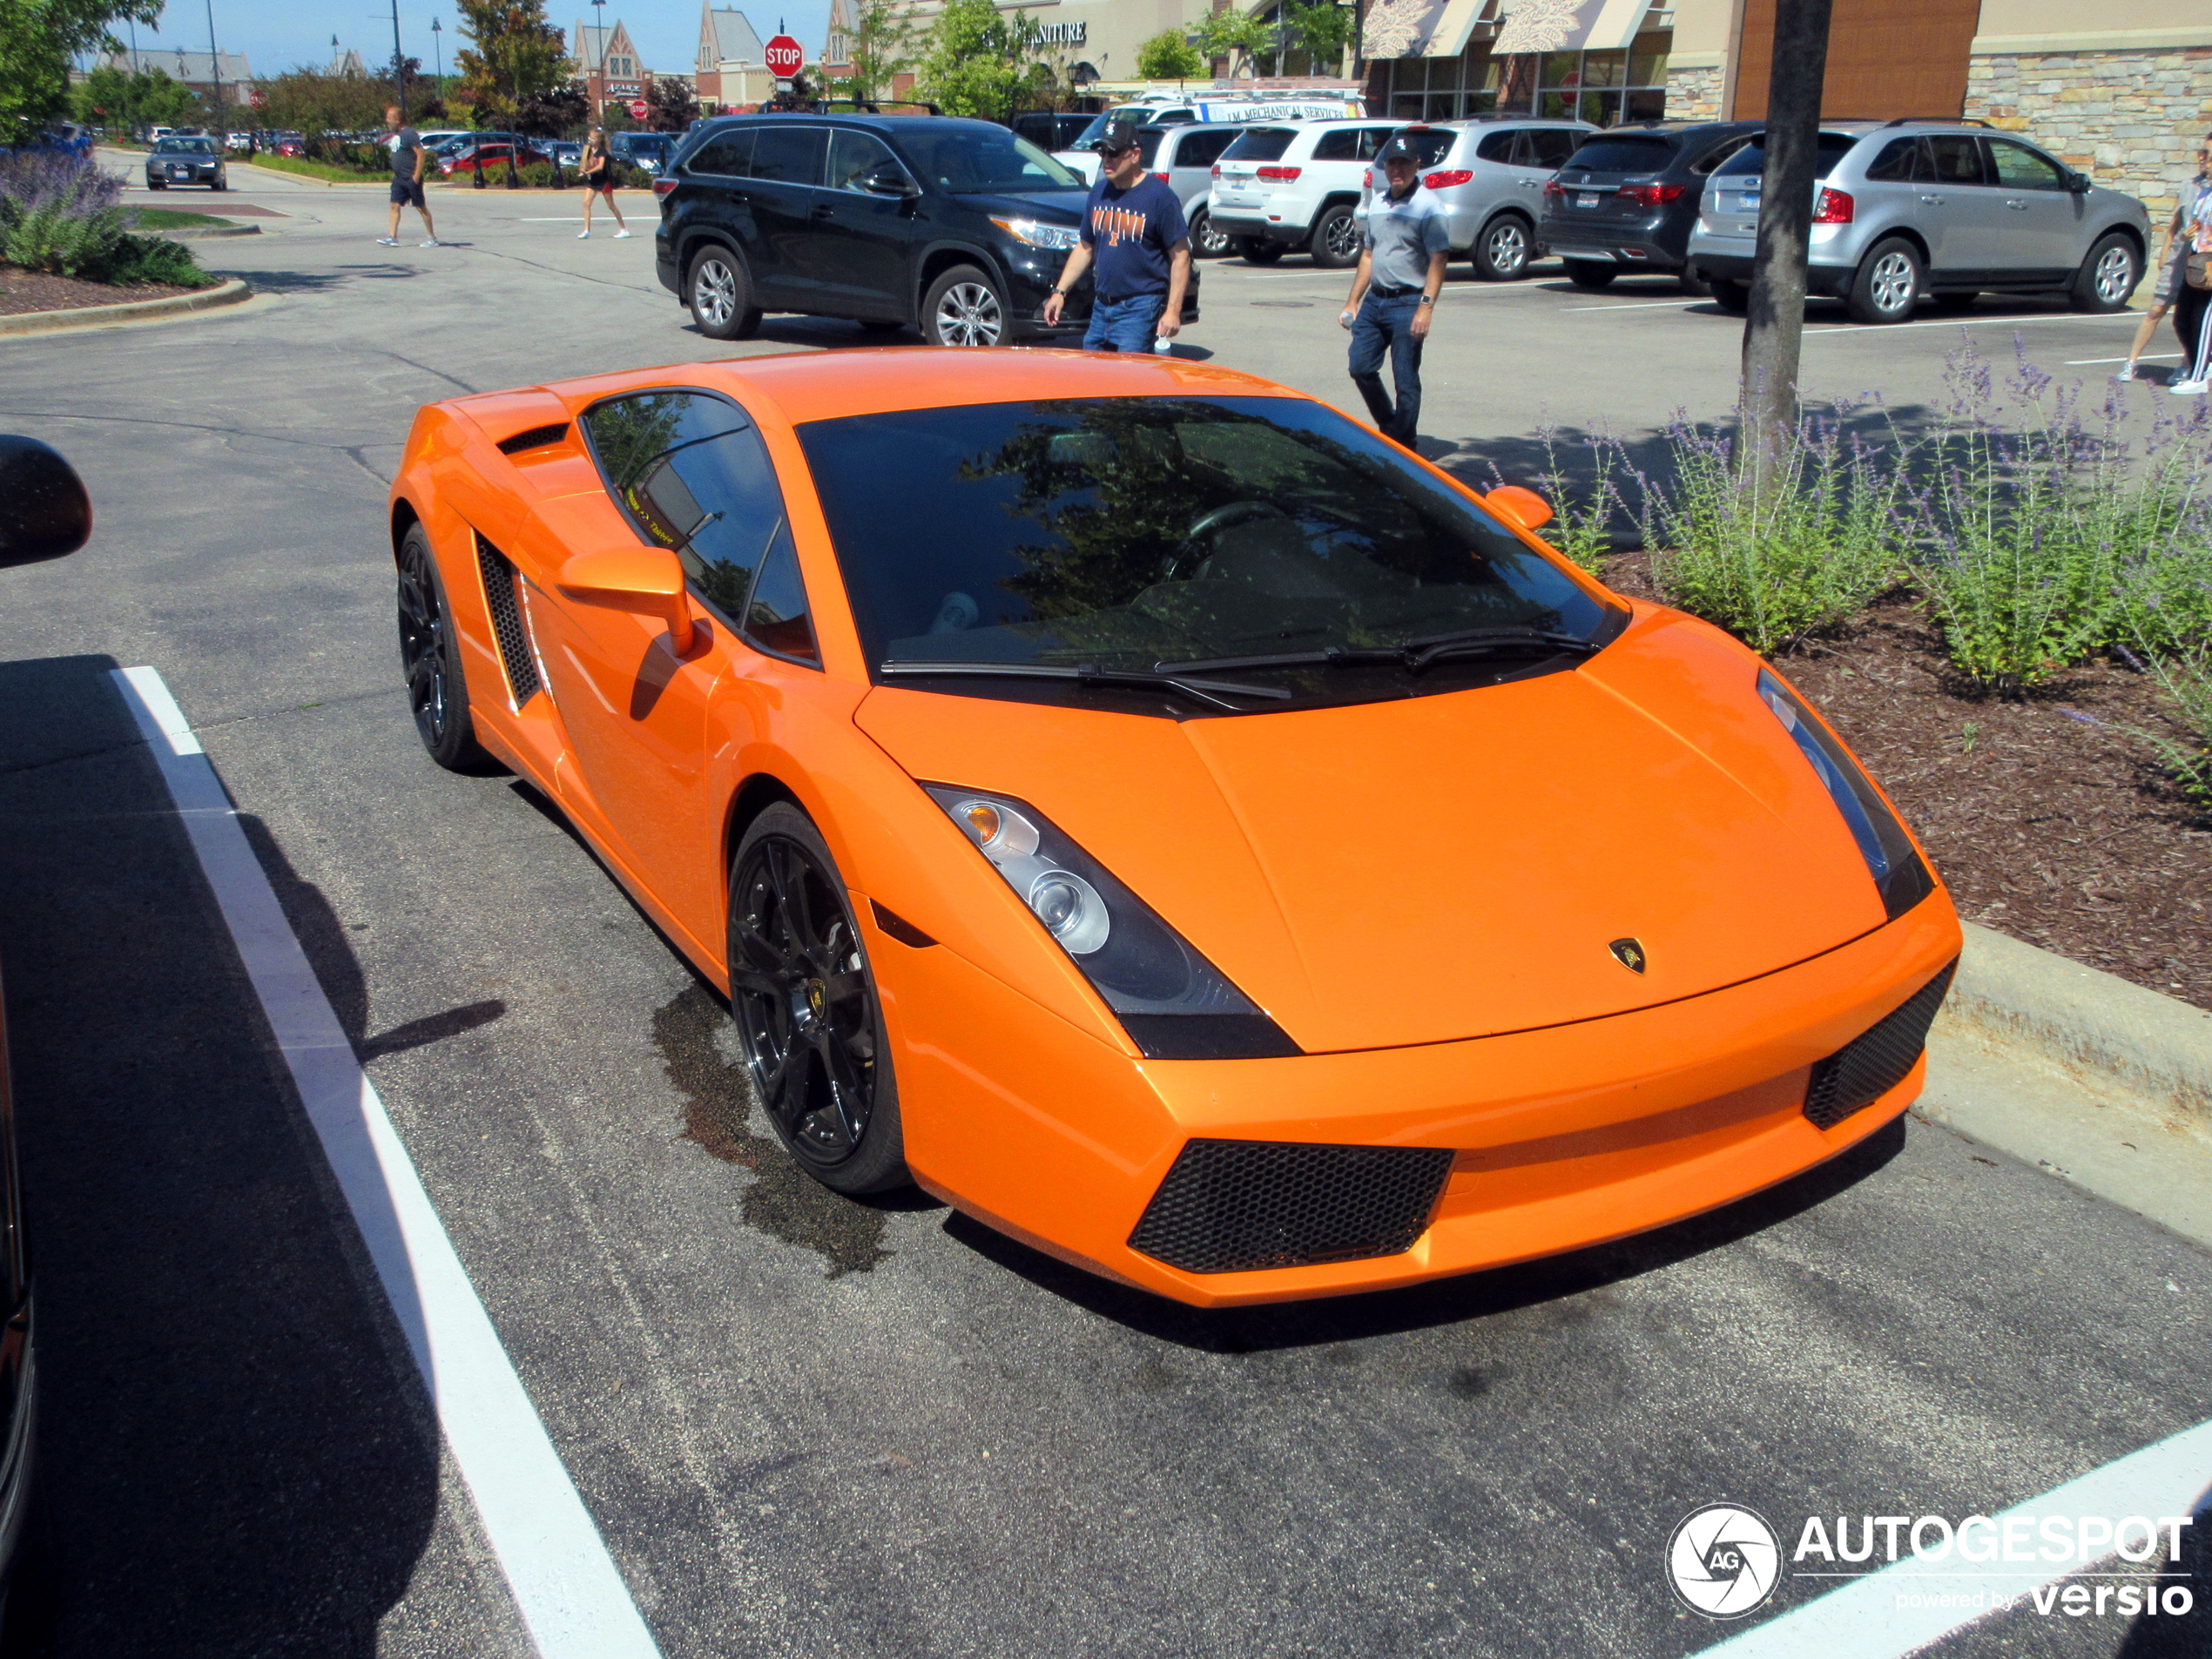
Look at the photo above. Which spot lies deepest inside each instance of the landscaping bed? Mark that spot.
(25, 291)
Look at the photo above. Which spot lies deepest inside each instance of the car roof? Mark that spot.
(823, 385)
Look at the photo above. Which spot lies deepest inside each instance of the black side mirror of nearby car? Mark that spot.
(43, 510)
(888, 179)
(2078, 182)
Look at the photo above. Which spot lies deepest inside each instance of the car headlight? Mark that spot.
(1890, 859)
(1171, 1000)
(1035, 235)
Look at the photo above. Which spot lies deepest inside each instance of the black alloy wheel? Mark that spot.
(436, 692)
(1590, 273)
(1258, 249)
(809, 1020)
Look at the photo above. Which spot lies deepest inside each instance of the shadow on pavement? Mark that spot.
(1472, 1296)
(234, 1453)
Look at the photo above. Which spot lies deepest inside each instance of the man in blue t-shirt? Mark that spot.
(1133, 231)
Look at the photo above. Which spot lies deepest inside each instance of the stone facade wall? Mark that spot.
(1694, 94)
(2132, 120)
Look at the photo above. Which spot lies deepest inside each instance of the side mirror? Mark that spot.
(1522, 507)
(888, 179)
(44, 512)
(646, 581)
(2079, 182)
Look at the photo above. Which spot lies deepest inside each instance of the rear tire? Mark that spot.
(1335, 241)
(1590, 273)
(1888, 283)
(1694, 283)
(1258, 249)
(2109, 276)
(719, 294)
(1957, 300)
(1206, 242)
(1502, 250)
(1734, 298)
(879, 326)
(437, 690)
(964, 307)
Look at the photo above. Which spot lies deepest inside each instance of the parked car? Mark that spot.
(488, 158)
(1183, 158)
(1905, 211)
(1490, 184)
(1296, 184)
(959, 227)
(1627, 198)
(1049, 129)
(1235, 109)
(290, 143)
(566, 152)
(648, 151)
(241, 141)
(185, 161)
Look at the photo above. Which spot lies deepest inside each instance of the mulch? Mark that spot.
(2046, 815)
(22, 292)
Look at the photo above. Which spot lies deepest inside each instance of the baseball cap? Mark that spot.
(1399, 147)
(1120, 134)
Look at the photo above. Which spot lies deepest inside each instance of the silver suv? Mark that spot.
(1183, 158)
(1490, 180)
(1940, 210)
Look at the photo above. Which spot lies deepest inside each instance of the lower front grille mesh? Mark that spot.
(1876, 1061)
(1232, 1206)
(506, 622)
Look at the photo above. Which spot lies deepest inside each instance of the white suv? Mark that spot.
(1296, 184)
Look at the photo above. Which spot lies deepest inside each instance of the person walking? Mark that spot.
(598, 171)
(410, 162)
(1133, 230)
(1403, 242)
(2191, 268)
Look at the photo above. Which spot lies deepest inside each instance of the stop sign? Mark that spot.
(638, 108)
(784, 56)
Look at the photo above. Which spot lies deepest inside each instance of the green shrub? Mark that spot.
(52, 238)
(2188, 682)
(138, 260)
(1581, 525)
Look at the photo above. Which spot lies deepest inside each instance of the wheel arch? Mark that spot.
(687, 249)
(753, 797)
(404, 518)
(942, 259)
(1911, 237)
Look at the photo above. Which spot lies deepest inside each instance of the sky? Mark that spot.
(277, 35)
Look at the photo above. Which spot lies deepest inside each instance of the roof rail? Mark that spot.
(1907, 120)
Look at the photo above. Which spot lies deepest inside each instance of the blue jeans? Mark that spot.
(1388, 323)
(1124, 325)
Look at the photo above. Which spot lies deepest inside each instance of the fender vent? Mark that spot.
(537, 438)
(1876, 1061)
(1232, 1206)
(507, 624)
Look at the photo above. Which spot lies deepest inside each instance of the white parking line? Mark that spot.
(2148, 357)
(1863, 1620)
(1641, 304)
(566, 1586)
(1855, 329)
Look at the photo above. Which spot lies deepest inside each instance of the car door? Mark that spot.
(685, 470)
(857, 241)
(1956, 205)
(788, 159)
(2042, 229)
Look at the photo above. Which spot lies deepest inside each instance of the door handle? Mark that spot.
(822, 210)
(1933, 201)
(2018, 206)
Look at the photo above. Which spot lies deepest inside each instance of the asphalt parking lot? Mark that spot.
(803, 1425)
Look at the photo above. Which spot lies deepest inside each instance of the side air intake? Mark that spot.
(1876, 1061)
(506, 624)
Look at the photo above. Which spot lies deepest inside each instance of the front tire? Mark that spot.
(1205, 241)
(1590, 273)
(437, 690)
(964, 307)
(1258, 249)
(1888, 284)
(719, 294)
(810, 1024)
(1502, 253)
(2107, 277)
(1694, 282)
(1335, 241)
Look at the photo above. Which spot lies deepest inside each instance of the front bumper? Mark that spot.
(1560, 1138)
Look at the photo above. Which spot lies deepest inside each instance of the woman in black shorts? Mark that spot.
(599, 179)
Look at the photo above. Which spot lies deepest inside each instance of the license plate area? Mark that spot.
(1586, 198)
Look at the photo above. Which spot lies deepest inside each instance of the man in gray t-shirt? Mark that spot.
(410, 161)
(1402, 248)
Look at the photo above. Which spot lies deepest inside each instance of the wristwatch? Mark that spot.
(1428, 299)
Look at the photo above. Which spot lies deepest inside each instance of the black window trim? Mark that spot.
(737, 627)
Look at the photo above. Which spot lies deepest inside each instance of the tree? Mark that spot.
(1323, 31)
(981, 61)
(1774, 323)
(117, 100)
(882, 48)
(1232, 34)
(308, 101)
(38, 40)
(562, 113)
(669, 106)
(1169, 57)
(513, 54)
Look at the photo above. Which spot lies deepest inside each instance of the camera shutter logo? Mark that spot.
(1724, 1561)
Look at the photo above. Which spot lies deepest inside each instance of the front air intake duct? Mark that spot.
(1232, 1206)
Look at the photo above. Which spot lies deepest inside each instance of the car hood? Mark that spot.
(1048, 206)
(1430, 869)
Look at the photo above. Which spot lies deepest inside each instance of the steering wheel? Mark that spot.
(1217, 519)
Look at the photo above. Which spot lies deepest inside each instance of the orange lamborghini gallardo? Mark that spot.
(1164, 820)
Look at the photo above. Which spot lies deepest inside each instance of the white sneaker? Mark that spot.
(2189, 389)
(620, 234)
(387, 241)
(584, 236)
(2127, 372)
(430, 242)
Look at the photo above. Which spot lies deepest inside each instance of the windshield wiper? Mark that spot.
(1087, 674)
(1413, 654)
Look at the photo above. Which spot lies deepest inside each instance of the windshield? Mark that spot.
(1121, 533)
(1834, 146)
(186, 147)
(982, 159)
(1097, 124)
(1260, 143)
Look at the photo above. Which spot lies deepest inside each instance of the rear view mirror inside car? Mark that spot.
(44, 512)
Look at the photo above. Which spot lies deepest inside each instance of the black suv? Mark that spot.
(1627, 198)
(958, 227)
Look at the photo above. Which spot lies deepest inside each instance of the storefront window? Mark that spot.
(1604, 88)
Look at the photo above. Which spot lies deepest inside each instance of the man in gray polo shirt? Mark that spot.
(1402, 245)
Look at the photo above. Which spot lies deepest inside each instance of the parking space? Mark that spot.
(803, 1424)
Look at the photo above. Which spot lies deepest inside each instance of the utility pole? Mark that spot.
(215, 74)
(399, 66)
(438, 53)
(1774, 323)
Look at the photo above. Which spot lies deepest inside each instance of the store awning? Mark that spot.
(1568, 25)
(1454, 24)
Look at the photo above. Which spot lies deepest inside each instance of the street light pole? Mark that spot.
(438, 53)
(399, 66)
(215, 74)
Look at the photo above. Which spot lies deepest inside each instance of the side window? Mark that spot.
(2021, 168)
(1371, 140)
(788, 155)
(1553, 146)
(1341, 145)
(1202, 147)
(1894, 165)
(1718, 153)
(776, 620)
(1954, 158)
(728, 157)
(690, 471)
(1497, 146)
(853, 156)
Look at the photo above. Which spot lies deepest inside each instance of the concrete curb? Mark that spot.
(201, 234)
(230, 292)
(309, 179)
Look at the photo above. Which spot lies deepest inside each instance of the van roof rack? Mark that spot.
(1933, 120)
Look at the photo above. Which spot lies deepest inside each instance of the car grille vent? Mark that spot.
(1232, 1206)
(537, 438)
(506, 623)
(1876, 1061)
